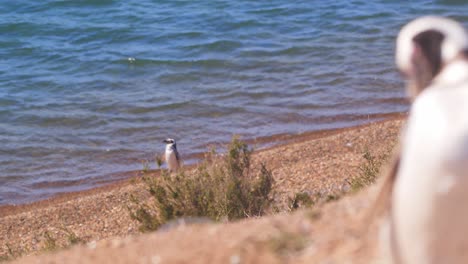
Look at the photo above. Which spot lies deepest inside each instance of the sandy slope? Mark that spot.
(316, 163)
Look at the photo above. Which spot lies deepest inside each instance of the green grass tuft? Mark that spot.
(300, 199)
(369, 170)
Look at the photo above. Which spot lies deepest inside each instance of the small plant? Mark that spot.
(9, 255)
(4, 258)
(332, 197)
(159, 161)
(50, 243)
(369, 170)
(300, 199)
(222, 187)
(287, 243)
(10, 250)
(72, 238)
(144, 215)
(133, 181)
(313, 214)
(12, 253)
(146, 166)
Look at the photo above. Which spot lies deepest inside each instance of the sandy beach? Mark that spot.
(318, 163)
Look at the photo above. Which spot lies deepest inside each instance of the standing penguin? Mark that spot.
(172, 155)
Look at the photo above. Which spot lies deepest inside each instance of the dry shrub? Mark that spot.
(222, 187)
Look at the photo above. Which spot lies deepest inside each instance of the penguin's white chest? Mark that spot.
(171, 159)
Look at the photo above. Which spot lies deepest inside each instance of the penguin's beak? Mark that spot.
(165, 141)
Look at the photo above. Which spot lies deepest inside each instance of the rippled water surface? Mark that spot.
(88, 89)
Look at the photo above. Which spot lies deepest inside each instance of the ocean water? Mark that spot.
(90, 88)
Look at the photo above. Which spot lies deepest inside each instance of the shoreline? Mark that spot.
(275, 141)
(258, 144)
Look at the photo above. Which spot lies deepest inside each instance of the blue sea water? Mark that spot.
(89, 88)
